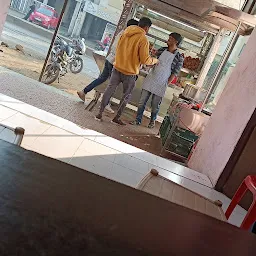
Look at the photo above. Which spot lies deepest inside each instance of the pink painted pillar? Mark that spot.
(3, 13)
(235, 107)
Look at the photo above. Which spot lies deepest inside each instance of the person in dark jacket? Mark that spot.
(31, 10)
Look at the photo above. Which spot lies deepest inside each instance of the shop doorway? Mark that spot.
(93, 27)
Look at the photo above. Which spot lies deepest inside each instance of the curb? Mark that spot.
(30, 26)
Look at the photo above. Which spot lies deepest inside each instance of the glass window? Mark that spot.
(223, 46)
(226, 72)
(45, 11)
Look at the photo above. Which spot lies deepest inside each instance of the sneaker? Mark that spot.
(135, 122)
(118, 122)
(98, 117)
(152, 124)
(81, 95)
(109, 109)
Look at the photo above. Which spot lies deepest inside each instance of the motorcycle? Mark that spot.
(64, 56)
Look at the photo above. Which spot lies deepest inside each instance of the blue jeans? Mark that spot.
(106, 73)
(155, 105)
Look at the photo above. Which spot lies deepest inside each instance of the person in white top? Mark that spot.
(106, 73)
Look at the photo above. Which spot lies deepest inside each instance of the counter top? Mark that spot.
(51, 208)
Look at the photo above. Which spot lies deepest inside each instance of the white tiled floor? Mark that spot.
(57, 143)
(93, 163)
(6, 112)
(100, 150)
(56, 137)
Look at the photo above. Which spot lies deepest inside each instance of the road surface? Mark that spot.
(38, 46)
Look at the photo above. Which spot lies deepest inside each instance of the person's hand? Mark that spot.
(155, 64)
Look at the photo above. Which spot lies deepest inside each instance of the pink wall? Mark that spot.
(230, 117)
(3, 12)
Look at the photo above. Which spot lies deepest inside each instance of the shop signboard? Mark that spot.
(91, 8)
(109, 13)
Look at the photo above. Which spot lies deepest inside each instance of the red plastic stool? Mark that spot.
(250, 218)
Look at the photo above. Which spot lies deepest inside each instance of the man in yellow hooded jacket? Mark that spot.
(132, 51)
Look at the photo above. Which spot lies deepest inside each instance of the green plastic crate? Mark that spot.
(186, 134)
(180, 146)
(165, 128)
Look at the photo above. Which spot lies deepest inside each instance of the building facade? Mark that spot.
(90, 19)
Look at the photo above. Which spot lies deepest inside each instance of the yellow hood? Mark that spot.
(132, 51)
(133, 30)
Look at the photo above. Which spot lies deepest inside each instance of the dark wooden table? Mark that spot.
(51, 208)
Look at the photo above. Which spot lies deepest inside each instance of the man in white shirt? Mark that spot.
(106, 73)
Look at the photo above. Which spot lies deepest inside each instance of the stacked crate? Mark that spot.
(175, 139)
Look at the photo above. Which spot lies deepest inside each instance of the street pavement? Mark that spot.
(38, 46)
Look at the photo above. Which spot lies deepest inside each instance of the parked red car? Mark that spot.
(45, 16)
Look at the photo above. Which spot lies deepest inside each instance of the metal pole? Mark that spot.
(78, 22)
(251, 7)
(53, 39)
(74, 17)
(123, 20)
(221, 65)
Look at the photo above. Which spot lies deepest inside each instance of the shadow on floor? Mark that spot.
(71, 108)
